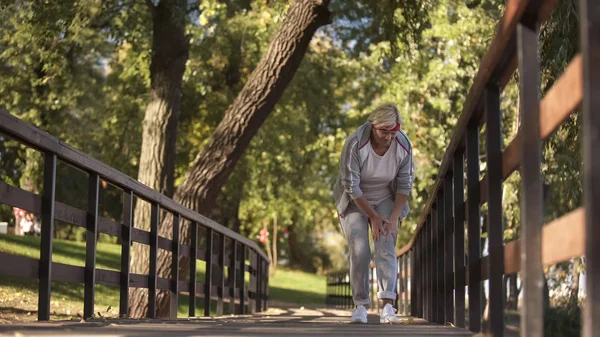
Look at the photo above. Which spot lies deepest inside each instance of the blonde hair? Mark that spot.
(386, 115)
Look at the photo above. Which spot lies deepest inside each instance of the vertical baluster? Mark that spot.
(242, 280)
(175, 267)
(429, 266)
(449, 250)
(459, 237)
(418, 280)
(125, 252)
(90, 245)
(344, 291)
(426, 270)
(153, 273)
(413, 278)
(408, 274)
(398, 302)
(221, 286)
(193, 258)
(45, 267)
(252, 285)
(531, 182)
(258, 282)
(590, 46)
(209, 269)
(474, 229)
(422, 275)
(233, 262)
(495, 223)
(434, 259)
(348, 290)
(441, 306)
(266, 288)
(372, 289)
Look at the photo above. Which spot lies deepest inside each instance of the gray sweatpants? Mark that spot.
(355, 225)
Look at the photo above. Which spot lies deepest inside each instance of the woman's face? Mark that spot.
(383, 136)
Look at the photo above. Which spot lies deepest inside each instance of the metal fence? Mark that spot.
(219, 285)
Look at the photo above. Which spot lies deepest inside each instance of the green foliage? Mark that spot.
(430, 84)
(562, 319)
(80, 71)
(563, 157)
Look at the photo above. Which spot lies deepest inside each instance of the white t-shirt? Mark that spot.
(377, 173)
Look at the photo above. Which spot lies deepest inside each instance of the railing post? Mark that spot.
(398, 288)
(252, 285)
(374, 301)
(45, 267)
(258, 282)
(233, 262)
(266, 288)
(441, 306)
(449, 251)
(91, 235)
(242, 280)
(208, 272)
(348, 291)
(125, 252)
(221, 286)
(419, 280)
(411, 309)
(193, 258)
(590, 46)
(153, 272)
(434, 260)
(474, 226)
(422, 288)
(406, 278)
(429, 266)
(495, 223)
(175, 267)
(400, 284)
(459, 237)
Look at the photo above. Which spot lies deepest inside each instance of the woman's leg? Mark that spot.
(385, 257)
(356, 229)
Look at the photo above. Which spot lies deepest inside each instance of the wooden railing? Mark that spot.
(440, 268)
(243, 296)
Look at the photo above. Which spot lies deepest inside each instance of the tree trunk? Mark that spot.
(267, 241)
(211, 168)
(170, 49)
(273, 268)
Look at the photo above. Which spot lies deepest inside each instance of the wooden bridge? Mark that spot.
(435, 267)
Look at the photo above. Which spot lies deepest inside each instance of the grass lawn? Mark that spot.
(19, 297)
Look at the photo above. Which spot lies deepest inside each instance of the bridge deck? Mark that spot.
(274, 322)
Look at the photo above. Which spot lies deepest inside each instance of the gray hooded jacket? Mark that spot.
(354, 153)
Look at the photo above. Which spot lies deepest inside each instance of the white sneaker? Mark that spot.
(388, 315)
(359, 315)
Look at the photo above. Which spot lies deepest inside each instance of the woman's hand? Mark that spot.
(378, 225)
(391, 227)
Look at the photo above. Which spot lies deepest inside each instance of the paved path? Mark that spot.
(275, 322)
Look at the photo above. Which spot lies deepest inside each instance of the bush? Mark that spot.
(562, 319)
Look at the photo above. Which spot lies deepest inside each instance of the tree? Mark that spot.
(170, 49)
(211, 168)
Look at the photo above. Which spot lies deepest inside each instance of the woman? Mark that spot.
(376, 176)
